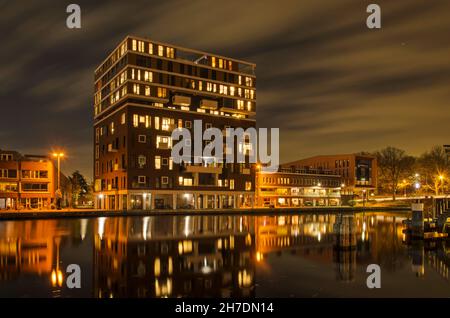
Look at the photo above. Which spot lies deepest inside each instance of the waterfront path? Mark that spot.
(85, 213)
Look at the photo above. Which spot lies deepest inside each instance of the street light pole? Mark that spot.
(58, 156)
(58, 193)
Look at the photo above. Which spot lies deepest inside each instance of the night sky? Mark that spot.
(327, 81)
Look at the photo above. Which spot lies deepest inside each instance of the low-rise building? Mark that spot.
(358, 171)
(26, 181)
(291, 187)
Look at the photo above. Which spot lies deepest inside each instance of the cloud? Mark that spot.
(330, 84)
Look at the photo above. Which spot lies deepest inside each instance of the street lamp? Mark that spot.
(58, 156)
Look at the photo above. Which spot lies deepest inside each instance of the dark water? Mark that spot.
(220, 256)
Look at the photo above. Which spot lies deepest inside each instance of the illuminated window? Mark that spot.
(160, 50)
(180, 123)
(111, 128)
(147, 121)
(232, 90)
(133, 45)
(123, 118)
(162, 92)
(213, 61)
(170, 163)
(157, 123)
(187, 181)
(148, 76)
(136, 89)
(157, 162)
(248, 186)
(163, 142)
(232, 184)
(150, 48)
(200, 85)
(220, 63)
(167, 123)
(147, 90)
(240, 80)
(135, 120)
(141, 46)
(240, 104)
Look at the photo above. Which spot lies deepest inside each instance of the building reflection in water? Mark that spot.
(180, 256)
(31, 248)
(205, 256)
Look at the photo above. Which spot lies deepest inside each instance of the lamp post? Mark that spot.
(58, 156)
(58, 194)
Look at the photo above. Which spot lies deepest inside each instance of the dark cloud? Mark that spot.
(330, 84)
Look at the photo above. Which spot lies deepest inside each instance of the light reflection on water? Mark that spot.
(303, 255)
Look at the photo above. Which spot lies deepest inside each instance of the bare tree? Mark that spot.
(434, 169)
(393, 165)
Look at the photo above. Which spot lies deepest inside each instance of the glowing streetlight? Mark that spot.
(58, 156)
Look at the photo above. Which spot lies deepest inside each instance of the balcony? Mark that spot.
(208, 104)
(181, 100)
(237, 111)
(203, 169)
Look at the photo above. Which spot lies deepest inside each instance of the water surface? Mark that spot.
(303, 255)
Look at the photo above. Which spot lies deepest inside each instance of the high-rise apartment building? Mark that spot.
(143, 91)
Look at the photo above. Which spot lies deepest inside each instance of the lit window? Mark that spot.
(133, 45)
(148, 76)
(136, 89)
(170, 163)
(147, 121)
(147, 90)
(157, 162)
(157, 123)
(163, 142)
(167, 123)
(213, 61)
(123, 118)
(248, 186)
(232, 184)
(162, 92)
(150, 48)
(112, 128)
(160, 50)
(135, 120)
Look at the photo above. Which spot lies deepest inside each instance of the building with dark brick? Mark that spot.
(143, 91)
